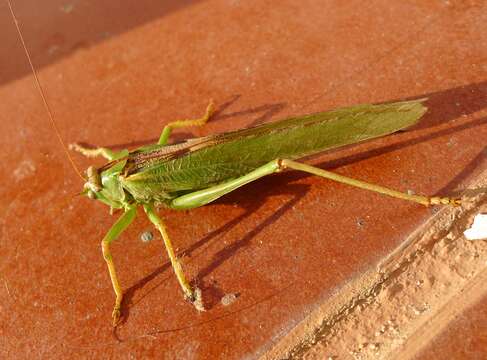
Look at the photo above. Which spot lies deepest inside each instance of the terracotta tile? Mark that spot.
(114, 75)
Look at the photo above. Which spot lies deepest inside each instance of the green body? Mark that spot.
(160, 173)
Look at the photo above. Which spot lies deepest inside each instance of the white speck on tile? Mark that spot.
(478, 230)
(25, 169)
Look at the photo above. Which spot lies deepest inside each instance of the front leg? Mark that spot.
(122, 223)
(101, 151)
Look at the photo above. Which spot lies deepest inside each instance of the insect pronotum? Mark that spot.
(198, 171)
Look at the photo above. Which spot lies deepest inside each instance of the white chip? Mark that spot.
(478, 231)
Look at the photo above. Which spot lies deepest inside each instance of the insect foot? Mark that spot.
(116, 315)
(82, 150)
(445, 201)
(197, 299)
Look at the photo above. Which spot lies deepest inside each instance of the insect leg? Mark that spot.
(202, 197)
(101, 151)
(166, 132)
(189, 293)
(423, 200)
(122, 223)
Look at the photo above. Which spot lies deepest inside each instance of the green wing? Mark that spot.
(158, 172)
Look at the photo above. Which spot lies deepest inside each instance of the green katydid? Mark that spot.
(198, 171)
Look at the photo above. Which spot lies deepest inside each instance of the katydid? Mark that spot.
(198, 171)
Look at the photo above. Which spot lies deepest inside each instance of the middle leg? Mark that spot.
(193, 295)
(166, 132)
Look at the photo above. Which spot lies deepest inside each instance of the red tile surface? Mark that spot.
(114, 75)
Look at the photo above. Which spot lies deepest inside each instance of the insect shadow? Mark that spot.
(212, 294)
(267, 111)
(274, 294)
(470, 168)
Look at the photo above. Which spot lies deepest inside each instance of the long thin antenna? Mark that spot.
(41, 91)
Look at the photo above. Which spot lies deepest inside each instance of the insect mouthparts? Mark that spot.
(93, 185)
